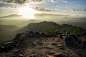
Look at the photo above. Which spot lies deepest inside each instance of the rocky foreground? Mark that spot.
(48, 46)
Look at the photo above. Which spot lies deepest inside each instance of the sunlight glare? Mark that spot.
(27, 12)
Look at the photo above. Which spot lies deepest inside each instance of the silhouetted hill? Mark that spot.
(39, 27)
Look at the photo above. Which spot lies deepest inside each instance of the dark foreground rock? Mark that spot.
(45, 47)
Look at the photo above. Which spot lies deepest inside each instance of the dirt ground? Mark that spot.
(44, 47)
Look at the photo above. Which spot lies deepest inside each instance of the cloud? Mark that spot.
(77, 5)
(52, 1)
(64, 1)
(44, 14)
(9, 7)
(46, 9)
(42, 9)
(21, 2)
(84, 9)
(12, 15)
(57, 6)
(13, 1)
(71, 10)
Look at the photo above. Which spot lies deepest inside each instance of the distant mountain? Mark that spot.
(11, 16)
(7, 32)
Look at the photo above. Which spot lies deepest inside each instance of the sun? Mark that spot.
(27, 12)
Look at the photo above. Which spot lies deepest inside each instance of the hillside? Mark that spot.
(35, 43)
(7, 32)
(39, 27)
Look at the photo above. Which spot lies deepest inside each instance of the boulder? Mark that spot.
(52, 35)
(47, 34)
(42, 34)
(68, 41)
(85, 37)
(73, 36)
(84, 42)
(9, 45)
(59, 33)
(37, 33)
(84, 34)
(61, 36)
(17, 36)
(2, 49)
(31, 32)
(56, 32)
(72, 40)
(67, 33)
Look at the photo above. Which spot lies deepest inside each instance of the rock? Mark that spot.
(9, 45)
(47, 34)
(61, 36)
(84, 42)
(54, 44)
(33, 55)
(49, 56)
(78, 35)
(61, 46)
(2, 49)
(14, 55)
(68, 41)
(33, 44)
(58, 55)
(51, 53)
(56, 32)
(17, 36)
(59, 33)
(67, 33)
(73, 36)
(42, 34)
(52, 35)
(31, 32)
(20, 55)
(84, 34)
(85, 37)
(47, 47)
(37, 33)
(81, 45)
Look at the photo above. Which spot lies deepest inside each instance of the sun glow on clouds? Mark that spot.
(27, 12)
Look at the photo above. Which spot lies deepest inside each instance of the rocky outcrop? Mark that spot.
(74, 41)
(69, 40)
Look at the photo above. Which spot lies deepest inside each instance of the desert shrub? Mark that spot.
(77, 31)
(50, 30)
(22, 36)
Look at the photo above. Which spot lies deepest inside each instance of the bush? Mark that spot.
(50, 30)
(77, 32)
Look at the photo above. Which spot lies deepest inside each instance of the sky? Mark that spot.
(30, 9)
